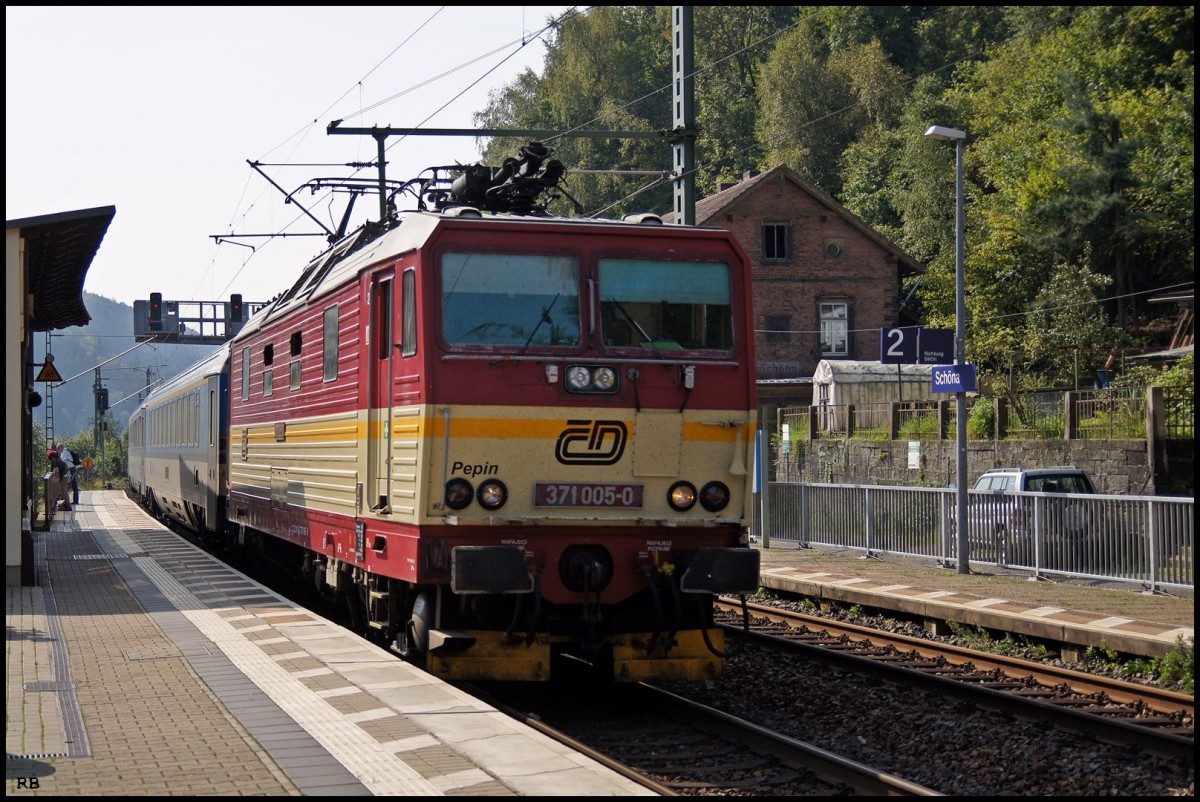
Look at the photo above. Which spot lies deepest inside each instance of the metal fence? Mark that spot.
(1147, 540)
(1117, 413)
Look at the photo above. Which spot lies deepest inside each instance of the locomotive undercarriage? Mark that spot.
(663, 632)
(519, 636)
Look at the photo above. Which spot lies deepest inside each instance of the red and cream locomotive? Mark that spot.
(505, 438)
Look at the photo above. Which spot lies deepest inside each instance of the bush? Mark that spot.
(981, 420)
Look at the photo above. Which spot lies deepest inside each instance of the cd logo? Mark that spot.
(584, 442)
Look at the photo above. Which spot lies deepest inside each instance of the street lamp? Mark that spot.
(960, 339)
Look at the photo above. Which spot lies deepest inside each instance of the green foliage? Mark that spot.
(981, 420)
(1078, 163)
(971, 637)
(1178, 667)
(920, 427)
(1102, 655)
(1179, 374)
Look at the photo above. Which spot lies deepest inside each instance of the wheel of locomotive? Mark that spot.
(412, 643)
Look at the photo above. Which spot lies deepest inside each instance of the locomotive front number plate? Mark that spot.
(587, 494)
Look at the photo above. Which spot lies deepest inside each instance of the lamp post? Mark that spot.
(960, 339)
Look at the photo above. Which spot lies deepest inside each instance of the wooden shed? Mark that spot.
(870, 386)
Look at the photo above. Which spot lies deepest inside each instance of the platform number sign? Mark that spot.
(916, 345)
(898, 346)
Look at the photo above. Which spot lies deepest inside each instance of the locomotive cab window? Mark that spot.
(521, 300)
(665, 305)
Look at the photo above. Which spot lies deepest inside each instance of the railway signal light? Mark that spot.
(102, 399)
(235, 308)
(155, 311)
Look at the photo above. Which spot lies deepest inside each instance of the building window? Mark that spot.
(779, 329)
(294, 375)
(329, 343)
(777, 242)
(268, 386)
(294, 343)
(835, 329)
(268, 354)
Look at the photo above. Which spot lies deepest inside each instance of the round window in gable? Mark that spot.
(833, 248)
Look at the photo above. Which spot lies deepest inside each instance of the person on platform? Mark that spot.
(60, 480)
(73, 466)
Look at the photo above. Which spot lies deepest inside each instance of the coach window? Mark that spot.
(329, 343)
(776, 242)
(408, 307)
(245, 374)
(835, 328)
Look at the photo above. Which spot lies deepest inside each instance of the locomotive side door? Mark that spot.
(381, 374)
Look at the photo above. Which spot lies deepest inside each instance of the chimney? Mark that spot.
(746, 176)
(727, 185)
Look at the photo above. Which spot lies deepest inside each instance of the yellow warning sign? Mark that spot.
(48, 373)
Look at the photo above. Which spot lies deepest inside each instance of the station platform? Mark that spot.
(140, 665)
(1076, 614)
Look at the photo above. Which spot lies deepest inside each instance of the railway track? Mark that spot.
(1151, 718)
(679, 747)
(897, 739)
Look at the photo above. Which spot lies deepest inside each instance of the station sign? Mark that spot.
(953, 379)
(916, 345)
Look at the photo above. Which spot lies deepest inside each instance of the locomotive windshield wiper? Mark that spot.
(632, 320)
(544, 319)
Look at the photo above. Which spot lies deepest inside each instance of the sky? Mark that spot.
(157, 111)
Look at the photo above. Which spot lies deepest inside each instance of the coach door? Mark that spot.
(381, 376)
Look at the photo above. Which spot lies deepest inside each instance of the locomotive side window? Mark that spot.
(383, 320)
(294, 346)
(408, 307)
(245, 374)
(650, 303)
(329, 343)
(510, 299)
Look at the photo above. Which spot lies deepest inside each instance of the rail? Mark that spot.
(1145, 540)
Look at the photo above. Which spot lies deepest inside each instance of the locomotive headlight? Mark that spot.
(492, 494)
(604, 379)
(714, 496)
(458, 493)
(682, 496)
(591, 379)
(579, 378)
